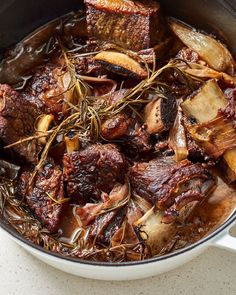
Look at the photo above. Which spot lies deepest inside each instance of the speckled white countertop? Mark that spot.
(214, 272)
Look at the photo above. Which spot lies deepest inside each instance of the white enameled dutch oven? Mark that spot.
(15, 22)
(130, 270)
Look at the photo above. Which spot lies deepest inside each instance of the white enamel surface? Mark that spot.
(130, 272)
(115, 273)
(213, 272)
(119, 273)
(226, 241)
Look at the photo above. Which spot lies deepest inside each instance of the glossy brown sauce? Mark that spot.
(69, 226)
(207, 217)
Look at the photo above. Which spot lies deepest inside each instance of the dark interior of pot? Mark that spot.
(18, 18)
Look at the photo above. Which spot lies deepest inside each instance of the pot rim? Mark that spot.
(217, 232)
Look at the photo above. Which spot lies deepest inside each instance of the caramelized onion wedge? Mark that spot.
(65, 81)
(117, 198)
(177, 138)
(107, 86)
(8, 170)
(121, 64)
(42, 126)
(215, 136)
(210, 50)
(202, 71)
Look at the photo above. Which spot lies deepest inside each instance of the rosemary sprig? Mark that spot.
(81, 88)
(88, 113)
(30, 138)
(46, 149)
(15, 212)
(57, 202)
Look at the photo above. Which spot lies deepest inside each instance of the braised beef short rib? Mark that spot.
(45, 198)
(17, 118)
(135, 25)
(92, 171)
(127, 127)
(45, 89)
(170, 185)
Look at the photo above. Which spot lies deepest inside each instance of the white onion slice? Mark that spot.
(210, 50)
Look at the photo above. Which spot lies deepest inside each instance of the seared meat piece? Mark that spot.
(137, 140)
(92, 171)
(135, 25)
(51, 86)
(169, 185)
(116, 127)
(159, 51)
(106, 225)
(89, 66)
(46, 90)
(230, 111)
(17, 118)
(133, 137)
(46, 197)
(196, 153)
(126, 127)
(188, 55)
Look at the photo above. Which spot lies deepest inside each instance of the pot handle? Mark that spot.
(225, 241)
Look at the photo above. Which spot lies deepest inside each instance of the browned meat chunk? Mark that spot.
(115, 127)
(134, 25)
(92, 171)
(195, 152)
(51, 86)
(46, 90)
(134, 138)
(188, 55)
(17, 117)
(230, 111)
(106, 225)
(46, 197)
(137, 140)
(169, 185)
(127, 127)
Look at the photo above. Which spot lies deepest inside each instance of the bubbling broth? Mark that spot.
(115, 124)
